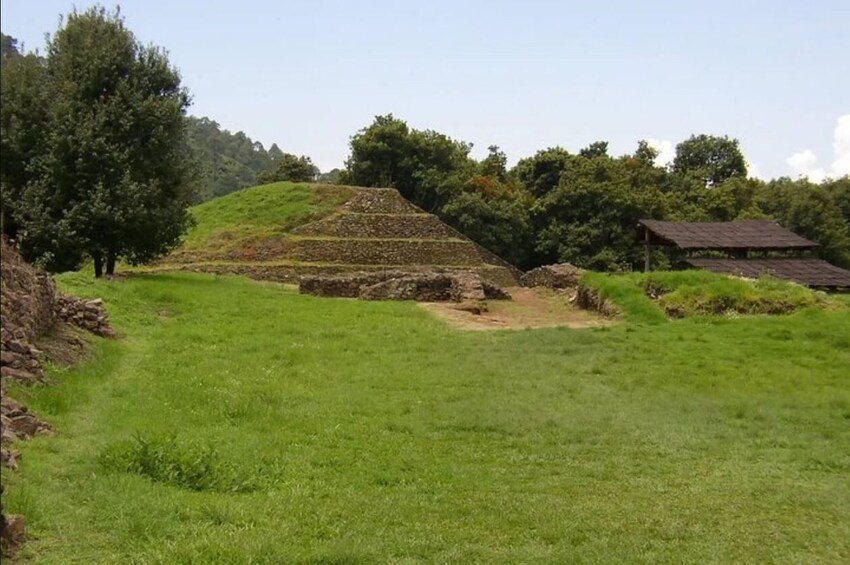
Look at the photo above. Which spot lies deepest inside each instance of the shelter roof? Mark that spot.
(807, 271)
(740, 234)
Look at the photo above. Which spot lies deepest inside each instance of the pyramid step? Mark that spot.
(380, 201)
(387, 252)
(384, 226)
(290, 273)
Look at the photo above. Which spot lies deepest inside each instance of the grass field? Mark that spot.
(240, 422)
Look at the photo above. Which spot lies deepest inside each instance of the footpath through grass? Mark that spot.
(237, 422)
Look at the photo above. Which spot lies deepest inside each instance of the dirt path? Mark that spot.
(530, 308)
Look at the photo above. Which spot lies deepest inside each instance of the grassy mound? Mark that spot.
(650, 297)
(281, 428)
(262, 211)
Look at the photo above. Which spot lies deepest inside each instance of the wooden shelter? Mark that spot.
(737, 240)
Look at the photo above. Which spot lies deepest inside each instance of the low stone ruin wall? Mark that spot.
(589, 299)
(562, 275)
(89, 315)
(31, 308)
(427, 286)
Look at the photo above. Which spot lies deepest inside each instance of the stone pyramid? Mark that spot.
(376, 229)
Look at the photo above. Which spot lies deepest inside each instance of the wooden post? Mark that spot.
(646, 249)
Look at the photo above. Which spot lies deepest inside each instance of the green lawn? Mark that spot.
(240, 422)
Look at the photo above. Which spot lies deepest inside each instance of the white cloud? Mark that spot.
(841, 147)
(666, 151)
(805, 163)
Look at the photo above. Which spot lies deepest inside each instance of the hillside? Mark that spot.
(282, 230)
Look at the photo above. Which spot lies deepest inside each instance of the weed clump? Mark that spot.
(648, 297)
(185, 464)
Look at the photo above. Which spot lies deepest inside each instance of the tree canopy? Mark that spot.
(583, 208)
(711, 158)
(109, 177)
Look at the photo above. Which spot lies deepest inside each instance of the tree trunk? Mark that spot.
(98, 265)
(110, 265)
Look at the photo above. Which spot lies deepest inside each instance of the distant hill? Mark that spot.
(226, 161)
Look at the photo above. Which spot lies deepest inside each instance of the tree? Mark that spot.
(495, 164)
(8, 46)
(811, 211)
(23, 119)
(713, 159)
(542, 172)
(427, 167)
(275, 154)
(595, 149)
(112, 176)
(291, 168)
(494, 214)
(646, 153)
(334, 176)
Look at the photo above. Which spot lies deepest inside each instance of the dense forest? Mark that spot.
(554, 206)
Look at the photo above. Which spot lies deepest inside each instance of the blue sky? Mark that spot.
(522, 75)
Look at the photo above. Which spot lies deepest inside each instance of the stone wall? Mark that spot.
(387, 252)
(31, 308)
(380, 201)
(423, 286)
(589, 299)
(562, 275)
(381, 226)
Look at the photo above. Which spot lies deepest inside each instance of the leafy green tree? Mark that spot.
(426, 167)
(542, 172)
(645, 153)
(839, 189)
(275, 154)
(8, 46)
(811, 211)
(23, 127)
(496, 215)
(111, 178)
(589, 219)
(291, 168)
(334, 176)
(711, 158)
(495, 164)
(595, 149)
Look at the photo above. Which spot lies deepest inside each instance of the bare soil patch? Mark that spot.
(529, 308)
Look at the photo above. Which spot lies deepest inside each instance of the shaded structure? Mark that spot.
(743, 235)
(737, 240)
(808, 271)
